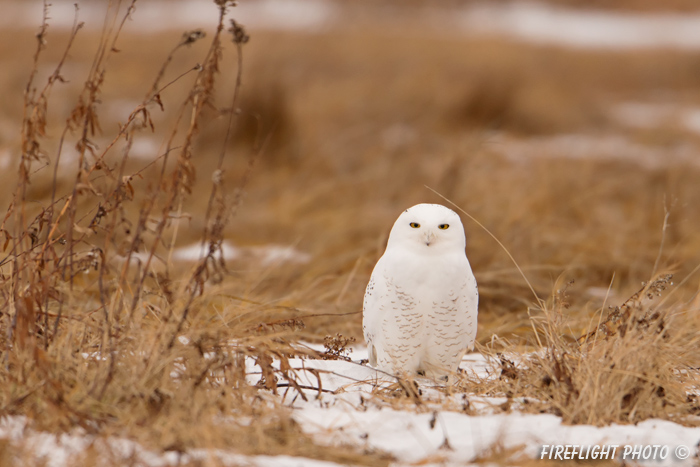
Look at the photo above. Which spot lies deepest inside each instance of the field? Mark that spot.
(191, 220)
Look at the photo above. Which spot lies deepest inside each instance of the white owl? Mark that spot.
(420, 307)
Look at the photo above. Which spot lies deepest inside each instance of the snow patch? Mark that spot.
(540, 23)
(417, 435)
(159, 15)
(522, 20)
(347, 412)
(265, 255)
(649, 115)
(594, 147)
(197, 251)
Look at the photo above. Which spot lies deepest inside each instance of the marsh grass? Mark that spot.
(94, 333)
(637, 362)
(106, 334)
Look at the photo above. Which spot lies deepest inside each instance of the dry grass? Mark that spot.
(499, 455)
(93, 325)
(336, 134)
(637, 363)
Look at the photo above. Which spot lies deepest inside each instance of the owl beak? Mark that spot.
(429, 238)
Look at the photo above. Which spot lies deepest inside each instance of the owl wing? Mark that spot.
(373, 311)
(469, 306)
(464, 309)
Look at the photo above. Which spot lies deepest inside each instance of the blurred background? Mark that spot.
(569, 129)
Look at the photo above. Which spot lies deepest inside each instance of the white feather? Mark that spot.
(421, 302)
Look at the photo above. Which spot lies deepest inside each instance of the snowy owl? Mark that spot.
(420, 307)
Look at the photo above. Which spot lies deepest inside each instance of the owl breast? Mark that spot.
(421, 315)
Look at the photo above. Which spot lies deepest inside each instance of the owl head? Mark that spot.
(429, 228)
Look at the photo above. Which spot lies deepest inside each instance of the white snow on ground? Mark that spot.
(542, 23)
(651, 114)
(644, 114)
(594, 147)
(272, 254)
(58, 451)
(145, 149)
(265, 255)
(412, 437)
(159, 15)
(196, 251)
(345, 412)
(521, 20)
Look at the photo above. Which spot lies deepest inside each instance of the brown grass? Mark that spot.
(91, 332)
(636, 364)
(336, 134)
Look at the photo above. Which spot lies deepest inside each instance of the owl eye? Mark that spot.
(415, 225)
(444, 226)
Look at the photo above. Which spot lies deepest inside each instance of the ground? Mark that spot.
(172, 268)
